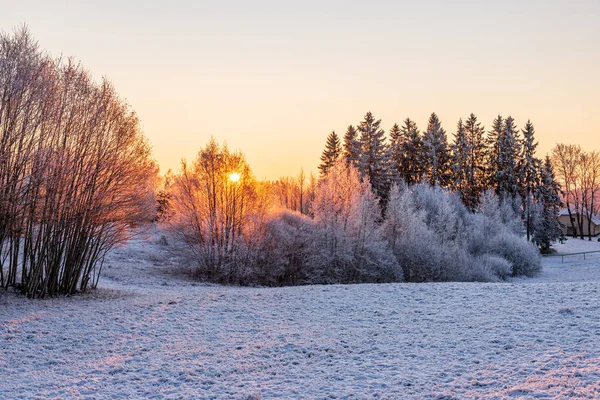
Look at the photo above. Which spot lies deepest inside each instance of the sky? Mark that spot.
(274, 78)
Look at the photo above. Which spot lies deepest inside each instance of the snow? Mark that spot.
(151, 333)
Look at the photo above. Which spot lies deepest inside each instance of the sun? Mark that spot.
(234, 177)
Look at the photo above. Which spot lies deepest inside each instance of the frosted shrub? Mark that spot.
(435, 238)
(488, 267)
(349, 245)
(412, 242)
(523, 256)
(285, 256)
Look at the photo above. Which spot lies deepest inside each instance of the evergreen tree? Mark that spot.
(475, 168)
(459, 158)
(406, 152)
(351, 147)
(332, 152)
(164, 196)
(547, 228)
(493, 142)
(434, 155)
(396, 143)
(528, 169)
(506, 174)
(374, 159)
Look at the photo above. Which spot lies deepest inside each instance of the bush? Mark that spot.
(523, 257)
(435, 238)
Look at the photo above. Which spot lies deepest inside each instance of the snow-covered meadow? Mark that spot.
(150, 333)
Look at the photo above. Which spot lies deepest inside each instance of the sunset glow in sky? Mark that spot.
(274, 78)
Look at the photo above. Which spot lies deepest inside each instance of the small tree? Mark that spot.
(546, 226)
(349, 246)
(330, 155)
(163, 196)
(214, 202)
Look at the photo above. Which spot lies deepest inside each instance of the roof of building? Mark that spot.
(595, 218)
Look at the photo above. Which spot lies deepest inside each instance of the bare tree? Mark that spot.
(565, 159)
(75, 171)
(589, 177)
(213, 204)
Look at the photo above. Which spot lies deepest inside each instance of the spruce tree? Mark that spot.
(434, 155)
(332, 152)
(406, 152)
(475, 168)
(507, 184)
(459, 158)
(547, 228)
(396, 143)
(374, 159)
(493, 143)
(528, 170)
(351, 147)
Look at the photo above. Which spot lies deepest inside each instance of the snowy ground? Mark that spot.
(149, 334)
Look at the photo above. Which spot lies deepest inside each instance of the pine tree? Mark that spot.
(528, 169)
(547, 228)
(351, 147)
(434, 155)
(406, 152)
(374, 159)
(332, 152)
(475, 168)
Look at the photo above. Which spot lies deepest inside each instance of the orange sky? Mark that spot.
(275, 79)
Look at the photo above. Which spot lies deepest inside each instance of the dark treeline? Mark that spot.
(75, 171)
(502, 159)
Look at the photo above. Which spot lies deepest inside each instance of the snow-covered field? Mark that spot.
(150, 334)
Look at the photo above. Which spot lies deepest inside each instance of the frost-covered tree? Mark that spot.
(435, 157)
(435, 238)
(349, 245)
(406, 152)
(76, 173)
(528, 168)
(374, 160)
(215, 209)
(546, 227)
(333, 150)
(351, 149)
(493, 233)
